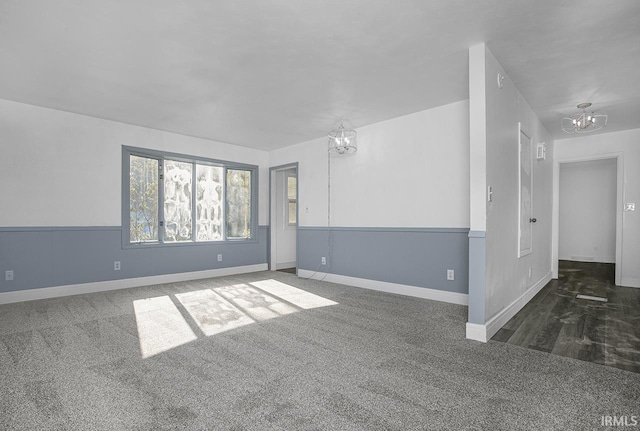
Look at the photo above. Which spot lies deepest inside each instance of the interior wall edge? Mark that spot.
(498, 320)
(412, 257)
(48, 257)
(104, 286)
(381, 286)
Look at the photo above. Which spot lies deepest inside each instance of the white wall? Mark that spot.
(411, 171)
(507, 276)
(64, 169)
(587, 211)
(626, 146)
(478, 139)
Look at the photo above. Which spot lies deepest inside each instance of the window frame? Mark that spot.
(162, 156)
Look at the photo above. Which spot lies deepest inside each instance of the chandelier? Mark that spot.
(584, 122)
(342, 141)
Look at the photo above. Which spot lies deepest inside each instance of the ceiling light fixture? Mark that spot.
(342, 141)
(583, 122)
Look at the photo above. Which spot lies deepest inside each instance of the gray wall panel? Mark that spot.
(411, 256)
(46, 257)
(477, 265)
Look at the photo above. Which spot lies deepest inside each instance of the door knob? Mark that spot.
(533, 220)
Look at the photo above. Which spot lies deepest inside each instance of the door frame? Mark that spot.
(271, 242)
(619, 156)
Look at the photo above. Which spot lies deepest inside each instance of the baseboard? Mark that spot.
(103, 286)
(630, 282)
(598, 259)
(383, 286)
(286, 265)
(485, 332)
(476, 332)
(581, 258)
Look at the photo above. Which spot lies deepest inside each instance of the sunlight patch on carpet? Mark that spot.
(211, 312)
(169, 321)
(254, 302)
(160, 326)
(298, 297)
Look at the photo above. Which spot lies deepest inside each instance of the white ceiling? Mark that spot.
(271, 73)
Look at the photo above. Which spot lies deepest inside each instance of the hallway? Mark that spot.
(557, 322)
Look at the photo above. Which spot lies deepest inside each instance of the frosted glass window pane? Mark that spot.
(209, 202)
(291, 187)
(238, 203)
(143, 199)
(177, 200)
(291, 195)
(292, 212)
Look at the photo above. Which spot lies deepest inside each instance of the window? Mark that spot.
(143, 201)
(238, 203)
(179, 199)
(292, 193)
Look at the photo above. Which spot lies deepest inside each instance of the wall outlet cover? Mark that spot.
(220, 257)
(8, 275)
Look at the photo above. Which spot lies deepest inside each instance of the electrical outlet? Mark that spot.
(324, 260)
(450, 274)
(8, 275)
(116, 265)
(220, 257)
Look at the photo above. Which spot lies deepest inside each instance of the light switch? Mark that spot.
(630, 206)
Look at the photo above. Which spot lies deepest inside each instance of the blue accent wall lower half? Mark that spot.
(59, 256)
(477, 263)
(411, 256)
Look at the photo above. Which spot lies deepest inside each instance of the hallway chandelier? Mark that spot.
(584, 122)
(342, 141)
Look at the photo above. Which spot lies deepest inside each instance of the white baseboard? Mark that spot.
(286, 265)
(598, 259)
(485, 332)
(103, 286)
(383, 286)
(476, 332)
(630, 282)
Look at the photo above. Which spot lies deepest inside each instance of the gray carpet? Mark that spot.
(272, 357)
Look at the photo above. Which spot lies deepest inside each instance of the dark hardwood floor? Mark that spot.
(557, 322)
(288, 270)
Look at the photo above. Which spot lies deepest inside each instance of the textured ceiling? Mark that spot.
(271, 73)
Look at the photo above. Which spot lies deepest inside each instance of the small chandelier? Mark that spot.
(342, 141)
(584, 122)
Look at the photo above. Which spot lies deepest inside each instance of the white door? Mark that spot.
(284, 223)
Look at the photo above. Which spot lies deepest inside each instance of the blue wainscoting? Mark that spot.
(477, 263)
(59, 256)
(410, 256)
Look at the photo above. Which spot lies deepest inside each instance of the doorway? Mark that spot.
(587, 220)
(283, 218)
(584, 313)
(587, 211)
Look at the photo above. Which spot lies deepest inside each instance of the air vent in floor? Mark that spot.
(592, 298)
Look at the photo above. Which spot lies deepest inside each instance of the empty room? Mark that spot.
(295, 215)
